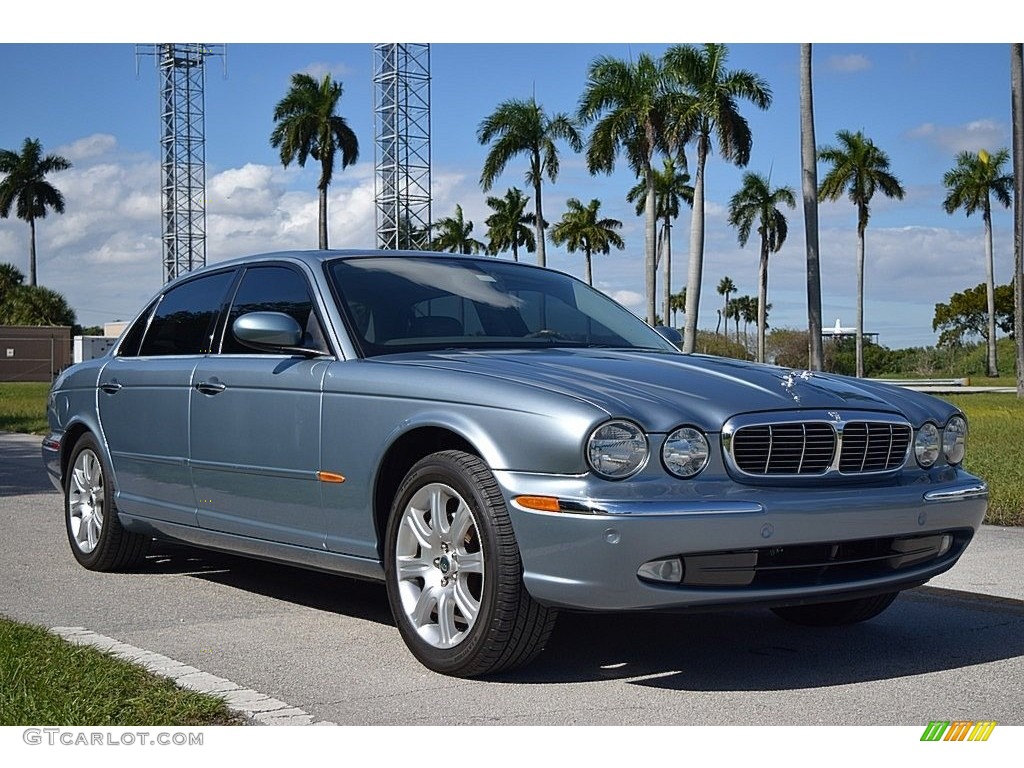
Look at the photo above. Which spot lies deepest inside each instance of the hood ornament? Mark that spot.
(789, 382)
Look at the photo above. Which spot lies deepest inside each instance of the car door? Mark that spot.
(143, 399)
(255, 421)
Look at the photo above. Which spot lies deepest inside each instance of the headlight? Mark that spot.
(617, 449)
(954, 440)
(926, 445)
(685, 452)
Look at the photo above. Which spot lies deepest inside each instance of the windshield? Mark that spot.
(401, 303)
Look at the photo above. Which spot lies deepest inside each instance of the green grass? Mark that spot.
(995, 451)
(23, 407)
(44, 680)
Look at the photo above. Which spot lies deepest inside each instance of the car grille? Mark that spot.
(809, 448)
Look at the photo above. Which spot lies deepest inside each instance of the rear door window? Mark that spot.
(185, 319)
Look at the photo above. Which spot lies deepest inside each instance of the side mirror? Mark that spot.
(268, 331)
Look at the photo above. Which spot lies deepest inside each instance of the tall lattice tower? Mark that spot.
(182, 69)
(401, 77)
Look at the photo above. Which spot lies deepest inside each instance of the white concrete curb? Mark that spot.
(260, 708)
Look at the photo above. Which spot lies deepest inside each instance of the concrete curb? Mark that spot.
(258, 707)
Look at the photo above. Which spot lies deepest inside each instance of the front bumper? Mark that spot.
(590, 559)
(51, 458)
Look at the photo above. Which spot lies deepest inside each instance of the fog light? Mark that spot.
(945, 545)
(668, 570)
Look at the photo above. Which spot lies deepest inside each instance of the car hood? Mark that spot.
(663, 390)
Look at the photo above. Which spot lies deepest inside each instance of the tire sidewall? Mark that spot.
(445, 468)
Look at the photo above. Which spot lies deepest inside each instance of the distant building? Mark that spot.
(34, 353)
(839, 331)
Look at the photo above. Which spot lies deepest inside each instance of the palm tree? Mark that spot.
(520, 127)
(25, 189)
(307, 126)
(859, 168)
(10, 278)
(454, 235)
(633, 111)
(711, 111)
(757, 203)
(677, 305)
(507, 227)
(809, 186)
(1017, 109)
(726, 287)
(972, 184)
(580, 229)
(670, 186)
(35, 305)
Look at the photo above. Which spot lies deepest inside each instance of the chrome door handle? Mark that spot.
(209, 388)
(111, 387)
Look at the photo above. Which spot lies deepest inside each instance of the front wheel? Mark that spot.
(98, 541)
(838, 613)
(454, 574)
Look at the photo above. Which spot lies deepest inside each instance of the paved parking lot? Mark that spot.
(327, 645)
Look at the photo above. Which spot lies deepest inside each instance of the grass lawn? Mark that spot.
(44, 680)
(995, 451)
(23, 406)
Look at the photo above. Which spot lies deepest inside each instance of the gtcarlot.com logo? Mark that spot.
(958, 730)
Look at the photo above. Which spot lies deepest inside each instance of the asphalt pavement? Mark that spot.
(316, 648)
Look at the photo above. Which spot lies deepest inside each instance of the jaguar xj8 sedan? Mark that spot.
(497, 442)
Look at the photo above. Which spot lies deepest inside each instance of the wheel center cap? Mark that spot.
(445, 565)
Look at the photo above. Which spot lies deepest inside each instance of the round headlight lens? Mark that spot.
(617, 449)
(926, 445)
(954, 440)
(685, 452)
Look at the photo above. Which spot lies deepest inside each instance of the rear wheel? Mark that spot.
(454, 574)
(98, 541)
(838, 613)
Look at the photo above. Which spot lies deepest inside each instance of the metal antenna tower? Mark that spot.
(401, 77)
(183, 151)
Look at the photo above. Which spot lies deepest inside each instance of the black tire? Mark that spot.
(98, 541)
(455, 579)
(838, 613)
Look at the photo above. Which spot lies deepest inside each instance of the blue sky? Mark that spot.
(95, 104)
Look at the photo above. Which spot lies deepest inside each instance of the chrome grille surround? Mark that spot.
(815, 444)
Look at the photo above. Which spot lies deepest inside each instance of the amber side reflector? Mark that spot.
(539, 503)
(329, 477)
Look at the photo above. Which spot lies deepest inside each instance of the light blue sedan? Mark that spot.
(497, 442)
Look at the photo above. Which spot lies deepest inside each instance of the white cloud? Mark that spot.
(97, 145)
(318, 69)
(978, 134)
(853, 62)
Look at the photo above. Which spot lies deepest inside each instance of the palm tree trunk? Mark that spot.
(32, 252)
(323, 218)
(666, 288)
(1017, 99)
(809, 183)
(762, 299)
(693, 276)
(589, 268)
(650, 252)
(860, 299)
(542, 259)
(990, 293)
